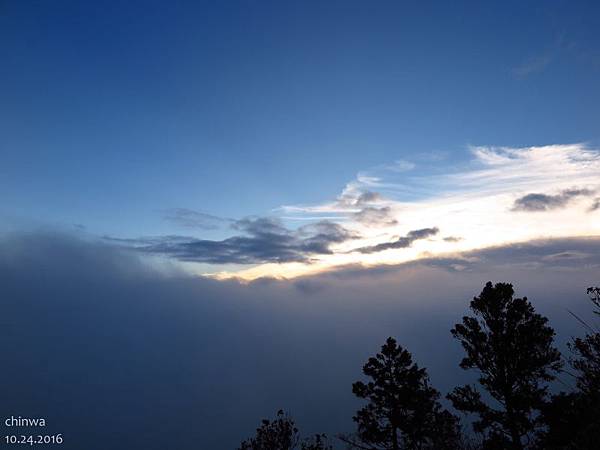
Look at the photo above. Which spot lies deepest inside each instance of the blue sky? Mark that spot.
(112, 113)
(340, 172)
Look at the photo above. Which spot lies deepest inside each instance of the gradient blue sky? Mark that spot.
(453, 142)
(112, 112)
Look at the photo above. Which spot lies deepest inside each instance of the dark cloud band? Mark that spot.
(261, 240)
(535, 202)
(402, 242)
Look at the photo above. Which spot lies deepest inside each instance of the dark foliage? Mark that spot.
(278, 434)
(512, 348)
(282, 434)
(572, 422)
(573, 419)
(587, 363)
(317, 442)
(403, 411)
(594, 293)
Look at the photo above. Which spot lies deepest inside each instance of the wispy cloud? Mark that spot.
(562, 47)
(189, 218)
(539, 62)
(372, 216)
(388, 216)
(487, 201)
(452, 239)
(533, 65)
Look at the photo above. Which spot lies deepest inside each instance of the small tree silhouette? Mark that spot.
(512, 348)
(594, 293)
(402, 410)
(278, 434)
(282, 434)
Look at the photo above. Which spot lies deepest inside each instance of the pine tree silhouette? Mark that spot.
(278, 434)
(403, 411)
(512, 348)
(282, 434)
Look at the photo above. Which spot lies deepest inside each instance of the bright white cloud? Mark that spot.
(474, 204)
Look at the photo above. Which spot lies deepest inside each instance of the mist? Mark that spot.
(118, 353)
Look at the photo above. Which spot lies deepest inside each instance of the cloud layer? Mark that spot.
(118, 354)
(262, 240)
(494, 199)
(484, 203)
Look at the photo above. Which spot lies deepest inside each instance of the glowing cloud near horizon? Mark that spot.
(502, 196)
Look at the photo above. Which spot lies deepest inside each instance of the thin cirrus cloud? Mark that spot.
(533, 65)
(189, 218)
(387, 216)
(540, 62)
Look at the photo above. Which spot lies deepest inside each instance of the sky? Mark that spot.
(188, 122)
(213, 210)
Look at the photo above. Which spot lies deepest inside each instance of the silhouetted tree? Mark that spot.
(594, 293)
(403, 411)
(587, 363)
(573, 419)
(512, 348)
(278, 434)
(282, 434)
